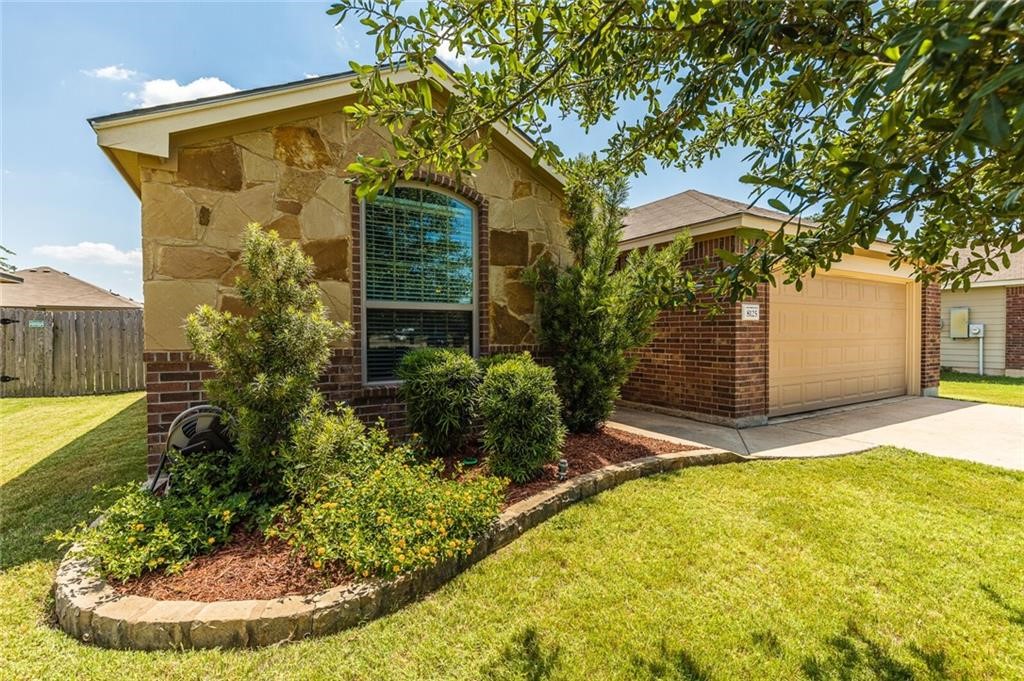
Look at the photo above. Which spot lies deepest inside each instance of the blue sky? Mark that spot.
(63, 203)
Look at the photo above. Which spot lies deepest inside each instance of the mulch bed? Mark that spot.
(249, 567)
(252, 567)
(587, 452)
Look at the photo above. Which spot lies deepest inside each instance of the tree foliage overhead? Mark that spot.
(874, 118)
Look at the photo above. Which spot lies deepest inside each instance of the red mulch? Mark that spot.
(252, 567)
(589, 451)
(249, 567)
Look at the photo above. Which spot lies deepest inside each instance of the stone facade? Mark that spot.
(290, 177)
(1015, 330)
(716, 368)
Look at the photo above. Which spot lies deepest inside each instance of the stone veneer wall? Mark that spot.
(290, 177)
(715, 367)
(1015, 330)
(931, 338)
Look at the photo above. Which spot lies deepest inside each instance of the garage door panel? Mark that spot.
(838, 341)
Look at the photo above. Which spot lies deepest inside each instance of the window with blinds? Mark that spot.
(418, 276)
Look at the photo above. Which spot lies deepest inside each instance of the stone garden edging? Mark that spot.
(90, 610)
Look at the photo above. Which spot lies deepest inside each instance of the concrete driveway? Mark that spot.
(987, 433)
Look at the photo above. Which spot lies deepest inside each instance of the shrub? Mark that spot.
(494, 360)
(142, 532)
(522, 418)
(321, 444)
(592, 314)
(439, 389)
(389, 516)
(267, 363)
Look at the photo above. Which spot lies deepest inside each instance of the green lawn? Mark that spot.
(886, 565)
(974, 388)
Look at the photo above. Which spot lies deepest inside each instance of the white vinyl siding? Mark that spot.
(987, 306)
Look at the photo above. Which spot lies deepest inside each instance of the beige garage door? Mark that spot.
(838, 341)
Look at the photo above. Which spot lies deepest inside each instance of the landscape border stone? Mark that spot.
(90, 610)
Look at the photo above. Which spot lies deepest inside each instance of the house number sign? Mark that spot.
(750, 312)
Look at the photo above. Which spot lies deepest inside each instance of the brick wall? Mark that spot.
(716, 366)
(1015, 328)
(931, 337)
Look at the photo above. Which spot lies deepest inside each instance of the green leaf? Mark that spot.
(996, 125)
(751, 233)
(779, 205)
(728, 256)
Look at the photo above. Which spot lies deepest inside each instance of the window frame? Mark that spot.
(365, 305)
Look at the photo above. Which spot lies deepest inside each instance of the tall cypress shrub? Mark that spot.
(592, 312)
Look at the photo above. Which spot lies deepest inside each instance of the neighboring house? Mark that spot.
(47, 288)
(858, 332)
(997, 301)
(278, 156)
(64, 336)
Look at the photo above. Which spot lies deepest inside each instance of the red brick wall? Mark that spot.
(931, 336)
(174, 380)
(713, 366)
(1015, 327)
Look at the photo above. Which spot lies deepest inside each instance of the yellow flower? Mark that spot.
(210, 540)
(321, 551)
(317, 564)
(331, 504)
(397, 569)
(139, 527)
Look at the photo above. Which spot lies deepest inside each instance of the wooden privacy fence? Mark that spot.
(70, 352)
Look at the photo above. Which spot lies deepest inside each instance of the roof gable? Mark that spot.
(126, 136)
(687, 209)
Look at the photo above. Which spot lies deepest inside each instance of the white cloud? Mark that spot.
(311, 75)
(92, 252)
(446, 53)
(165, 91)
(112, 72)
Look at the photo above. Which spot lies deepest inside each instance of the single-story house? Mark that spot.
(277, 156)
(64, 336)
(204, 169)
(48, 288)
(859, 332)
(996, 301)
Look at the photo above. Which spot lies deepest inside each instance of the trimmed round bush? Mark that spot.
(522, 418)
(439, 388)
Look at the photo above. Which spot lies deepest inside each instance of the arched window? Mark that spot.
(419, 290)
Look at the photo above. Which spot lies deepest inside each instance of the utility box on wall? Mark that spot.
(959, 318)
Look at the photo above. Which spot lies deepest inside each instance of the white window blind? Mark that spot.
(418, 276)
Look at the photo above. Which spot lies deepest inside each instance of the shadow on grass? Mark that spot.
(525, 657)
(57, 492)
(679, 665)
(854, 655)
(1013, 613)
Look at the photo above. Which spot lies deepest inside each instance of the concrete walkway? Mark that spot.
(986, 433)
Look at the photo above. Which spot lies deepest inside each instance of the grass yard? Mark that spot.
(974, 388)
(886, 565)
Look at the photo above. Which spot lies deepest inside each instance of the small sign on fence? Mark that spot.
(37, 323)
